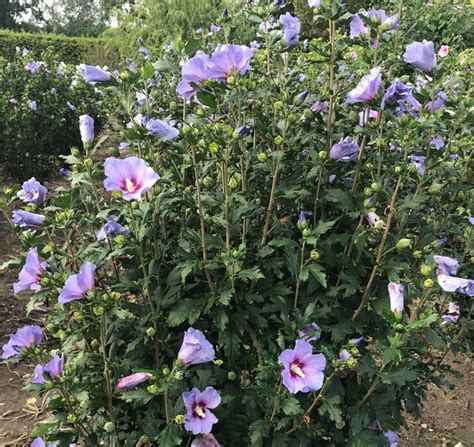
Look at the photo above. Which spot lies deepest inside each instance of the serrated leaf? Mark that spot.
(330, 406)
(317, 272)
(291, 406)
(140, 396)
(399, 377)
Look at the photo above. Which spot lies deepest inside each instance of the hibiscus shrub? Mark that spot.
(277, 253)
(40, 102)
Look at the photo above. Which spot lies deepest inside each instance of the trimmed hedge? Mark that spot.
(71, 50)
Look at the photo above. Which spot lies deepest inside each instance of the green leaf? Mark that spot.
(391, 354)
(192, 46)
(170, 436)
(317, 272)
(291, 406)
(140, 396)
(207, 99)
(323, 227)
(331, 407)
(400, 377)
(433, 338)
(250, 274)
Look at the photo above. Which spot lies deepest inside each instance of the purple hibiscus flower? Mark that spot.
(367, 88)
(437, 103)
(346, 150)
(25, 337)
(198, 418)
(24, 219)
(392, 438)
(311, 332)
(368, 115)
(358, 28)
(418, 162)
(30, 274)
(162, 129)
(195, 348)
(112, 229)
(124, 383)
(33, 105)
(54, 368)
(77, 285)
(291, 28)
(446, 265)
(455, 284)
(437, 142)
(131, 176)
(303, 371)
(207, 440)
(32, 192)
(375, 221)
(64, 172)
(396, 92)
(314, 3)
(452, 316)
(228, 58)
(86, 128)
(94, 75)
(33, 66)
(195, 71)
(395, 290)
(38, 442)
(421, 55)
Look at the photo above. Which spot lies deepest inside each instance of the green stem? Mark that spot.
(298, 280)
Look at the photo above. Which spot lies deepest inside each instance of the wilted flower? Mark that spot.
(319, 106)
(25, 219)
(395, 291)
(367, 88)
(131, 176)
(195, 348)
(76, 286)
(312, 332)
(418, 162)
(421, 55)
(303, 371)
(227, 59)
(54, 368)
(71, 106)
(443, 51)
(32, 192)
(94, 75)
(437, 103)
(392, 438)
(33, 105)
(364, 117)
(25, 337)
(112, 228)
(452, 316)
(291, 28)
(199, 420)
(29, 277)
(162, 129)
(375, 221)
(346, 150)
(207, 440)
(446, 265)
(455, 284)
(64, 172)
(86, 128)
(124, 383)
(195, 71)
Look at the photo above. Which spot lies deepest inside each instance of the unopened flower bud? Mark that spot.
(152, 389)
(278, 105)
(207, 182)
(428, 283)
(278, 140)
(165, 371)
(213, 148)
(88, 163)
(109, 427)
(261, 156)
(116, 194)
(417, 254)
(75, 152)
(322, 155)
(218, 362)
(398, 169)
(233, 183)
(425, 270)
(368, 192)
(403, 243)
(314, 255)
(179, 419)
(435, 188)
(376, 186)
(231, 375)
(150, 332)
(178, 375)
(119, 239)
(71, 418)
(306, 232)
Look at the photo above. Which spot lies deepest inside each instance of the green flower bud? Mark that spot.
(178, 375)
(116, 195)
(150, 332)
(403, 243)
(306, 232)
(134, 205)
(417, 254)
(186, 130)
(428, 283)
(231, 375)
(233, 183)
(314, 255)
(367, 204)
(173, 105)
(95, 343)
(152, 389)
(76, 380)
(261, 156)
(398, 169)
(179, 419)
(322, 155)
(435, 188)
(230, 80)
(124, 75)
(88, 163)
(218, 362)
(71, 418)
(213, 148)
(376, 186)
(425, 270)
(75, 152)
(119, 239)
(278, 105)
(278, 140)
(98, 310)
(109, 427)
(368, 192)
(207, 182)
(166, 371)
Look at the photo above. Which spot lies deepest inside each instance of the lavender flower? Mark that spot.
(309, 333)
(421, 55)
(195, 71)
(418, 162)
(124, 383)
(319, 106)
(195, 348)
(76, 286)
(437, 103)
(71, 106)
(455, 284)
(207, 440)
(392, 438)
(446, 265)
(356, 341)
(452, 316)
(33, 105)
(345, 150)
(291, 28)
(86, 128)
(38, 442)
(112, 229)
(54, 368)
(302, 96)
(344, 356)
(375, 221)
(33, 66)
(395, 291)
(214, 28)
(198, 418)
(367, 88)
(303, 371)
(162, 129)
(396, 92)
(365, 117)
(32, 192)
(314, 3)
(30, 274)
(131, 176)
(437, 142)
(144, 52)
(358, 28)
(24, 219)
(227, 59)
(64, 172)
(94, 75)
(25, 337)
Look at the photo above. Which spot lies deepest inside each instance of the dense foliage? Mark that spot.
(40, 102)
(302, 212)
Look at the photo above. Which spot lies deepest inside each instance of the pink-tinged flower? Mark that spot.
(455, 284)
(375, 221)
(195, 71)
(76, 286)
(86, 128)
(446, 265)
(365, 117)
(32, 192)
(227, 59)
(421, 55)
(354, 55)
(198, 418)
(291, 28)
(131, 176)
(345, 150)
(24, 219)
(94, 75)
(452, 316)
(367, 88)
(395, 290)
(303, 371)
(29, 277)
(195, 348)
(205, 441)
(54, 368)
(443, 51)
(25, 337)
(162, 129)
(124, 383)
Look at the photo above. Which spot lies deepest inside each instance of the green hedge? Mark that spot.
(71, 50)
